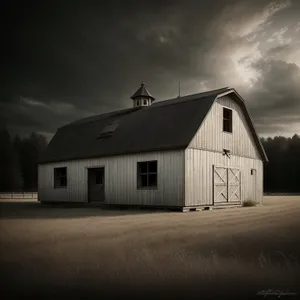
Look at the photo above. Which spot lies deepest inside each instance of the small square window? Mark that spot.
(147, 174)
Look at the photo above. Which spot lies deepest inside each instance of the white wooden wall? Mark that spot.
(210, 135)
(120, 180)
(199, 176)
(205, 150)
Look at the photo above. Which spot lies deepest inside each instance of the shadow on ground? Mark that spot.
(25, 209)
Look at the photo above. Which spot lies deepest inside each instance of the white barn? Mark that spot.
(194, 151)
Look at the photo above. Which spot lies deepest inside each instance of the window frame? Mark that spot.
(228, 121)
(58, 177)
(147, 173)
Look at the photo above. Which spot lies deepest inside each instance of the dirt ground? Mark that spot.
(66, 251)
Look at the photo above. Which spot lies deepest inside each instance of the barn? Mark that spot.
(193, 151)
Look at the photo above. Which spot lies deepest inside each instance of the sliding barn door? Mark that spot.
(220, 185)
(226, 185)
(234, 185)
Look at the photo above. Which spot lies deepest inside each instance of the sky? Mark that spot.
(69, 60)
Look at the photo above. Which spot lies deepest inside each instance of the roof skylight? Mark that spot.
(108, 129)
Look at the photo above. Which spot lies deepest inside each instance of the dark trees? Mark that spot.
(282, 173)
(19, 161)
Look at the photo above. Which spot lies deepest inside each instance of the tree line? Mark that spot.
(19, 161)
(281, 173)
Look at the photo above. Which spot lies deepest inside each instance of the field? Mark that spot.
(72, 251)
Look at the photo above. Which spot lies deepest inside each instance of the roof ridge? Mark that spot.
(198, 94)
(192, 97)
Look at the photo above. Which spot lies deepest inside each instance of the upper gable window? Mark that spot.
(108, 129)
(227, 120)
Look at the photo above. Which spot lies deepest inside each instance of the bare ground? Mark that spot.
(73, 251)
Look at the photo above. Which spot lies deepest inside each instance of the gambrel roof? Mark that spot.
(165, 125)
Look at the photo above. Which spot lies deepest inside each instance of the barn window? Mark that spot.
(108, 129)
(147, 174)
(227, 120)
(60, 177)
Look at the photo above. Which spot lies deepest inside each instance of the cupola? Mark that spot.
(142, 97)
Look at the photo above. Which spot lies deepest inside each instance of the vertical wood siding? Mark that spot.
(199, 176)
(120, 180)
(205, 150)
(210, 135)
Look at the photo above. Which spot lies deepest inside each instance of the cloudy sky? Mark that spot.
(68, 60)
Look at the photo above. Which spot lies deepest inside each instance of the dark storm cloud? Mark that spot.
(276, 96)
(89, 57)
(21, 117)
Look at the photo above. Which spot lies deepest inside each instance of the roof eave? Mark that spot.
(82, 157)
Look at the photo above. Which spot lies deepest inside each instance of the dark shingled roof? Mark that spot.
(142, 92)
(169, 124)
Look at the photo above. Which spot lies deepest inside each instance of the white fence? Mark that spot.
(18, 195)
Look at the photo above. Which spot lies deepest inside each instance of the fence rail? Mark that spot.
(18, 195)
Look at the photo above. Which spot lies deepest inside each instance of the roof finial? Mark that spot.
(143, 83)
